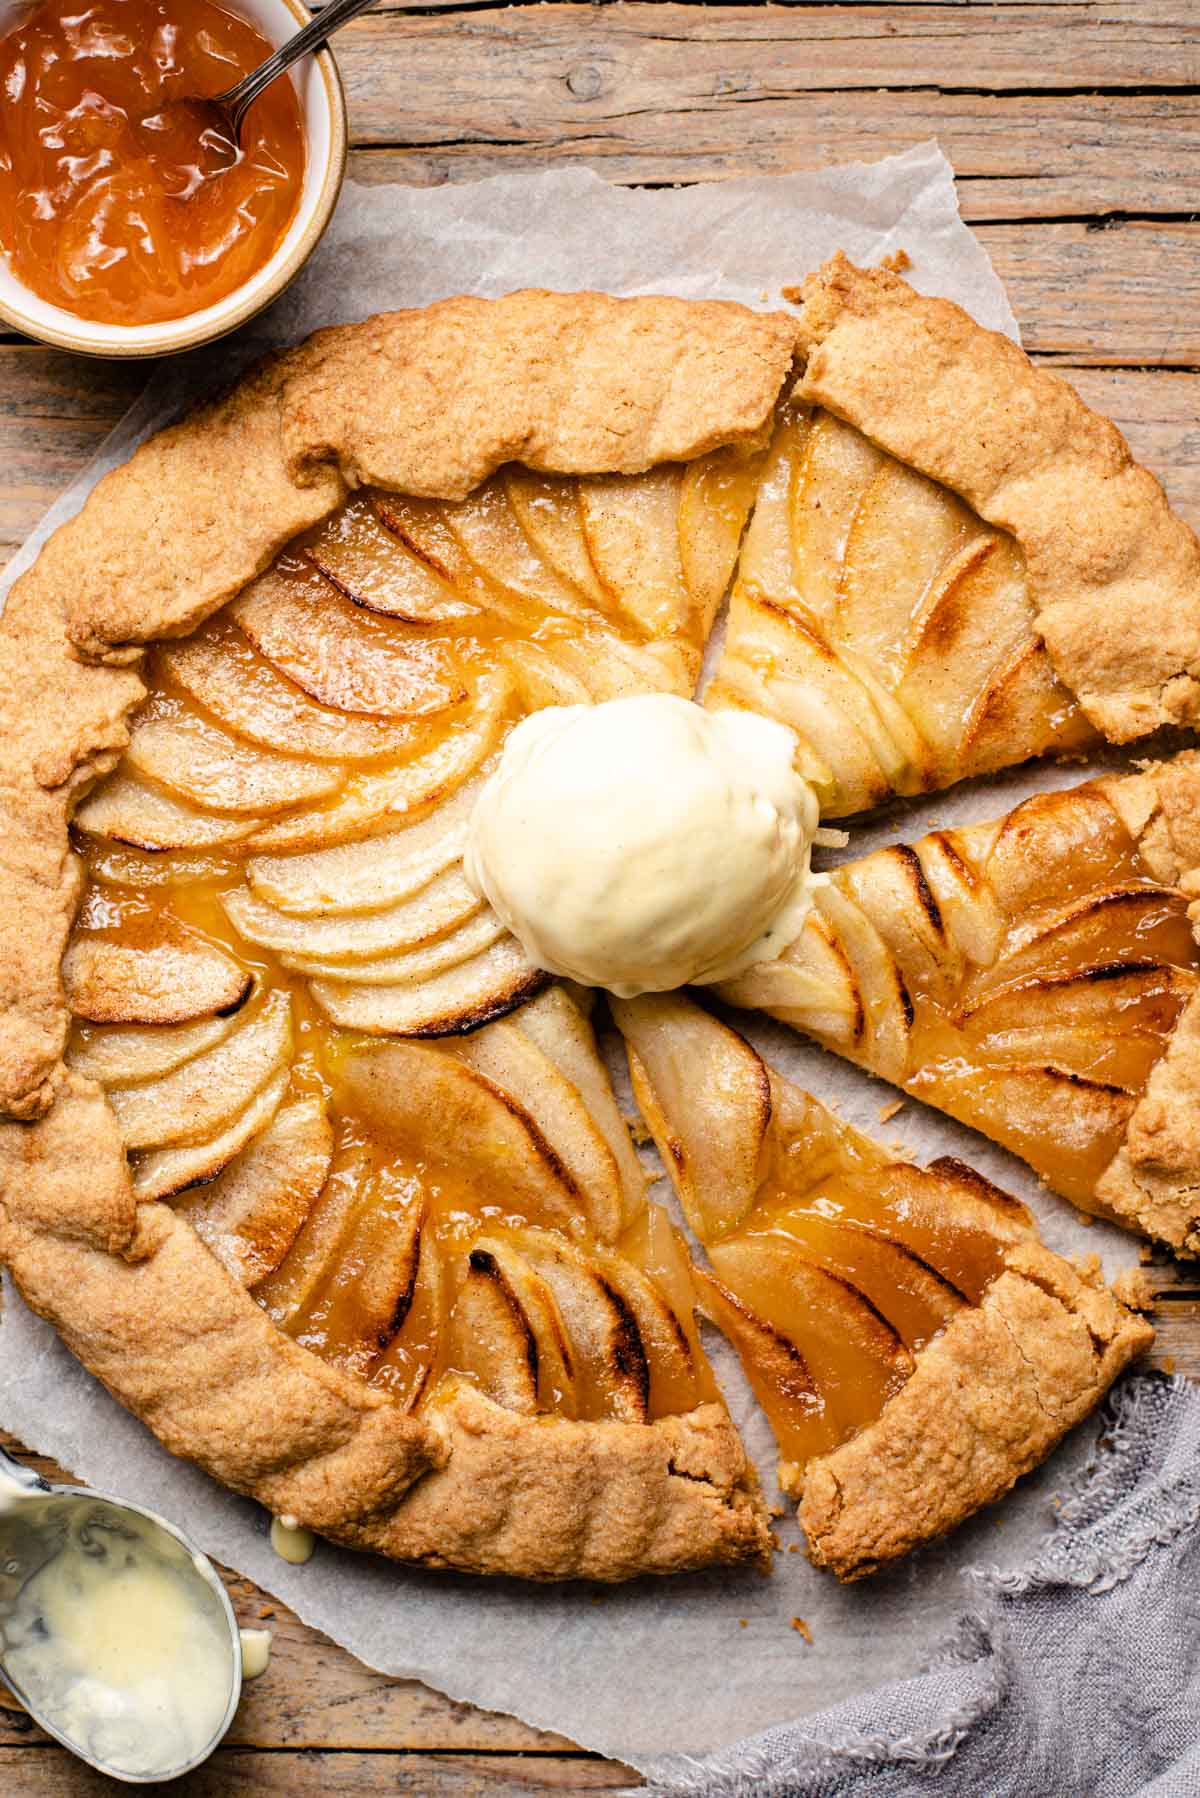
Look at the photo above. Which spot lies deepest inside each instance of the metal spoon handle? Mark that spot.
(14, 1473)
(310, 37)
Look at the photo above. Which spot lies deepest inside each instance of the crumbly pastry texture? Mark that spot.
(430, 404)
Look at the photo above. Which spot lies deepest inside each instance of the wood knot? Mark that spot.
(586, 81)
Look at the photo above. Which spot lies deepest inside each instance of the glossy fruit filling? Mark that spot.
(114, 204)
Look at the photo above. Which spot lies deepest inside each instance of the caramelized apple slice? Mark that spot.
(202, 1098)
(118, 1055)
(907, 1295)
(168, 981)
(653, 1244)
(377, 800)
(546, 507)
(285, 1293)
(612, 1371)
(220, 670)
(631, 524)
(514, 1063)
(445, 1114)
(676, 1383)
(780, 1379)
(542, 679)
(487, 530)
(341, 656)
(206, 767)
(161, 1173)
(561, 1029)
(463, 997)
(127, 810)
(1112, 925)
(442, 905)
(405, 1370)
(715, 498)
(367, 1286)
(252, 1213)
(503, 1282)
(856, 1360)
(370, 875)
(408, 967)
(370, 565)
(707, 1098)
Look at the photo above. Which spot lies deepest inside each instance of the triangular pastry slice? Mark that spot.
(914, 1344)
(953, 564)
(1037, 977)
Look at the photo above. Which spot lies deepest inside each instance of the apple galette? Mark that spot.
(913, 1343)
(305, 1159)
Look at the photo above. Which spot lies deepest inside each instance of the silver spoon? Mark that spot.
(217, 122)
(64, 1551)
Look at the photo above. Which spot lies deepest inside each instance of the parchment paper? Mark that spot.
(658, 1666)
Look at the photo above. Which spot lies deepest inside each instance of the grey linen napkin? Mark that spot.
(1076, 1677)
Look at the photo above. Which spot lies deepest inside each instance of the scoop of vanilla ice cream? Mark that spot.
(645, 843)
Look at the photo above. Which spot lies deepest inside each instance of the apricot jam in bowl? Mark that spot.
(123, 231)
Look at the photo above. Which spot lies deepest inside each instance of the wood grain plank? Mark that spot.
(50, 1772)
(1016, 156)
(495, 66)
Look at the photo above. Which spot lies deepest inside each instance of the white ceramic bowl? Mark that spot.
(323, 110)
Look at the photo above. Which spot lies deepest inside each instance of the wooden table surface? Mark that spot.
(1073, 126)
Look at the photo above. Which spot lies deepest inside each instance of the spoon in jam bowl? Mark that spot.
(116, 1634)
(197, 137)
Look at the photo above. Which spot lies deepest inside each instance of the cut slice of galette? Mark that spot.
(913, 1343)
(409, 1292)
(953, 564)
(1038, 977)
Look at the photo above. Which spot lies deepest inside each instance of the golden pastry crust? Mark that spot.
(1114, 573)
(431, 403)
(987, 1402)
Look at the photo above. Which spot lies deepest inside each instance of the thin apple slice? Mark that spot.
(117, 1055)
(341, 656)
(715, 499)
(1066, 1126)
(546, 507)
(451, 1118)
(962, 893)
(202, 1098)
(1119, 996)
(129, 811)
(285, 1291)
(907, 1295)
(1115, 924)
(221, 671)
(369, 875)
(543, 679)
(957, 1222)
(548, 1378)
(562, 1030)
(825, 468)
(597, 663)
(855, 1359)
(367, 1287)
(1123, 1059)
(252, 1213)
(406, 1367)
(166, 982)
(202, 764)
(781, 1381)
(612, 1373)
(161, 1173)
(408, 966)
(631, 524)
(464, 997)
(654, 1245)
(370, 565)
(374, 800)
(707, 1098)
(443, 904)
(512, 1061)
(886, 1001)
(487, 530)
(814, 985)
(491, 1338)
(676, 1385)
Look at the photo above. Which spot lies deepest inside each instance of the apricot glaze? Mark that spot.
(111, 206)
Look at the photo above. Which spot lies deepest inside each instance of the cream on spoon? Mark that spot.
(115, 1633)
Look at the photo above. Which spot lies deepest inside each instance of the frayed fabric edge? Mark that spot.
(1140, 1419)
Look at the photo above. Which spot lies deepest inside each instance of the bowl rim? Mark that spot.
(246, 301)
